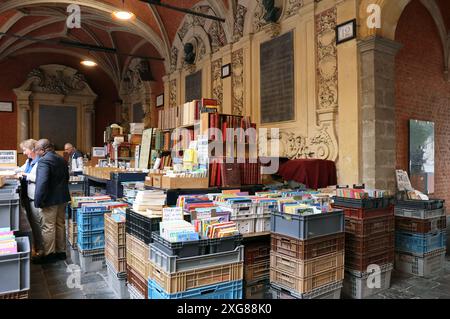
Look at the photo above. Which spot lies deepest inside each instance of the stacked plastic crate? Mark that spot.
(115, 252)
(420, 237)
(369, 245)
(307, 255)
(72, 233)
(256, 266)
(91, 236)
(15, 271)
(242, 211)
(200, 269)
(139, 228)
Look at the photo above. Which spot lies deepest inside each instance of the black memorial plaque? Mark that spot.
(138, 113)
(277, 79)
(58, 124)
(194, 87)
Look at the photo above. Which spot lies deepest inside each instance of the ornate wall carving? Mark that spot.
(173, 59)
(173, 93)
(292, 7)
(217, 85)
(237, 67)
(258, 18)
(327, 76)
(58, 82)
(239, 21)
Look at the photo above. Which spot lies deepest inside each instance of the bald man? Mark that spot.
(52, 196)
(75, 159)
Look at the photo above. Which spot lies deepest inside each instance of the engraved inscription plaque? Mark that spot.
(194, 87)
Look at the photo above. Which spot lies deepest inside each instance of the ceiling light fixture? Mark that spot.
(123, 14)
(88, 63)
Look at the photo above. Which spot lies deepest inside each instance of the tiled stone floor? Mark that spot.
(50, 282)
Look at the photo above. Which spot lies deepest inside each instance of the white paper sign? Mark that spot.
(172, 213)
(8, 158)
(98, 152)
(403, 182)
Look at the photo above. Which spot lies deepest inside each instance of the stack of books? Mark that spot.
(150, 201)
(8, 244)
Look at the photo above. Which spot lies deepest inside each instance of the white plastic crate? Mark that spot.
(358, 286)
(15, 268)
(239, 210)
(74, 254)
(263, 224)
(118, 283)
(430, 265)
(245, 225)
(92, 263)
(419, 213)
(331, 291)
(134, 293)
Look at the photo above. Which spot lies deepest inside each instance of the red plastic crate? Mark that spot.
(362, 213)
(370, 226)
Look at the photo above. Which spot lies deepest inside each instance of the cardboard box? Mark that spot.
(184, 182)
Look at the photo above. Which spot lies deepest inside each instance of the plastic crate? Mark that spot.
(366, 203)
(245, 225)
(331, 291)
(137, 247)
(359, 286)
(239, 210)
(141, 226)
(256, 252)
(112, 255)
(15, 268)
(419, 244)
(74, 254)
(91, 240)
(263, 224)
(419, 213)
(137, 281)
(183, 281)
(72, 232)
(16, 295)
(262, 210)
(423, 226)
(256, 290)
(371, 244)
(92, 263)
(306, 268)
(370, 226)
(90, 221)
(9, 214)
(308, 226)
(307, 249)
(114, 231)
(197, 247)
(139, 264)
(305, 285)
(9, 191)
(134, 293)
(362, 213)
(257, 271)
(360, 262)
(430, 265)
(173, 264)
(223, 291)
(72, 213)
(431, 204)
(118, 282)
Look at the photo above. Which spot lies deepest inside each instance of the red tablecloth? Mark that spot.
(311, 172)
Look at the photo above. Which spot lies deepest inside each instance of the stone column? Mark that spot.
(88, 128)
(23, 113)
(377, 87)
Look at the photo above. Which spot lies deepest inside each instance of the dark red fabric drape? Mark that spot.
(311, 172)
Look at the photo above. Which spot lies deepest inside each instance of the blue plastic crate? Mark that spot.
(228, 290)
(419, 244)
(94, 209)
(92, 221)
(91, 240)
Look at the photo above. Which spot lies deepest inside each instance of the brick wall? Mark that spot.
(421, 90)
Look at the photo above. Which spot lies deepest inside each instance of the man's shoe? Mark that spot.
(61, 256)
(42, 260)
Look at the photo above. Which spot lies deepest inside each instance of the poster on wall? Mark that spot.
(144, 156)
(421, 155)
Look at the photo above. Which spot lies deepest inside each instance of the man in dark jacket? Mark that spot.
(52, 195)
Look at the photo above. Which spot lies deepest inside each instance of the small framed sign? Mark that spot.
(98, 152)
(346, 31)
(160, 100)
(6, 106)
(226, 70)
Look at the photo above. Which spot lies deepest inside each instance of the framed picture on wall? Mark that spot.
(346, 31)
(6, 106)
(226, 70)
(160, 100)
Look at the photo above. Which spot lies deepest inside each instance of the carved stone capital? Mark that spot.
(273, 29)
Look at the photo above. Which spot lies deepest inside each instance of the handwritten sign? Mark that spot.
(173, 213)
(403, 182)
(8, 158)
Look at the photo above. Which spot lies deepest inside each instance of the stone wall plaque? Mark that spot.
(194, 86)
(277, 79)
(58, 124)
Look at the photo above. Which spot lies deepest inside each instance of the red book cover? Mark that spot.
(209, 102)
(224, 131)
(218, 172)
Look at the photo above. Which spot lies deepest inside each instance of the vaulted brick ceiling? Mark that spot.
(151, 33)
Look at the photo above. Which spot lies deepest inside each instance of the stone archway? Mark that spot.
(56, 86)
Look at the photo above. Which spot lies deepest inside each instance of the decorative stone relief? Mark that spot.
(327, 60)
(173, 59)
(292, 7)
(201, 50)
(258, 19)
(237, 67)
(239, 20)
(217, 85)
(173, 93)
(217, 35)
(57, 82)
